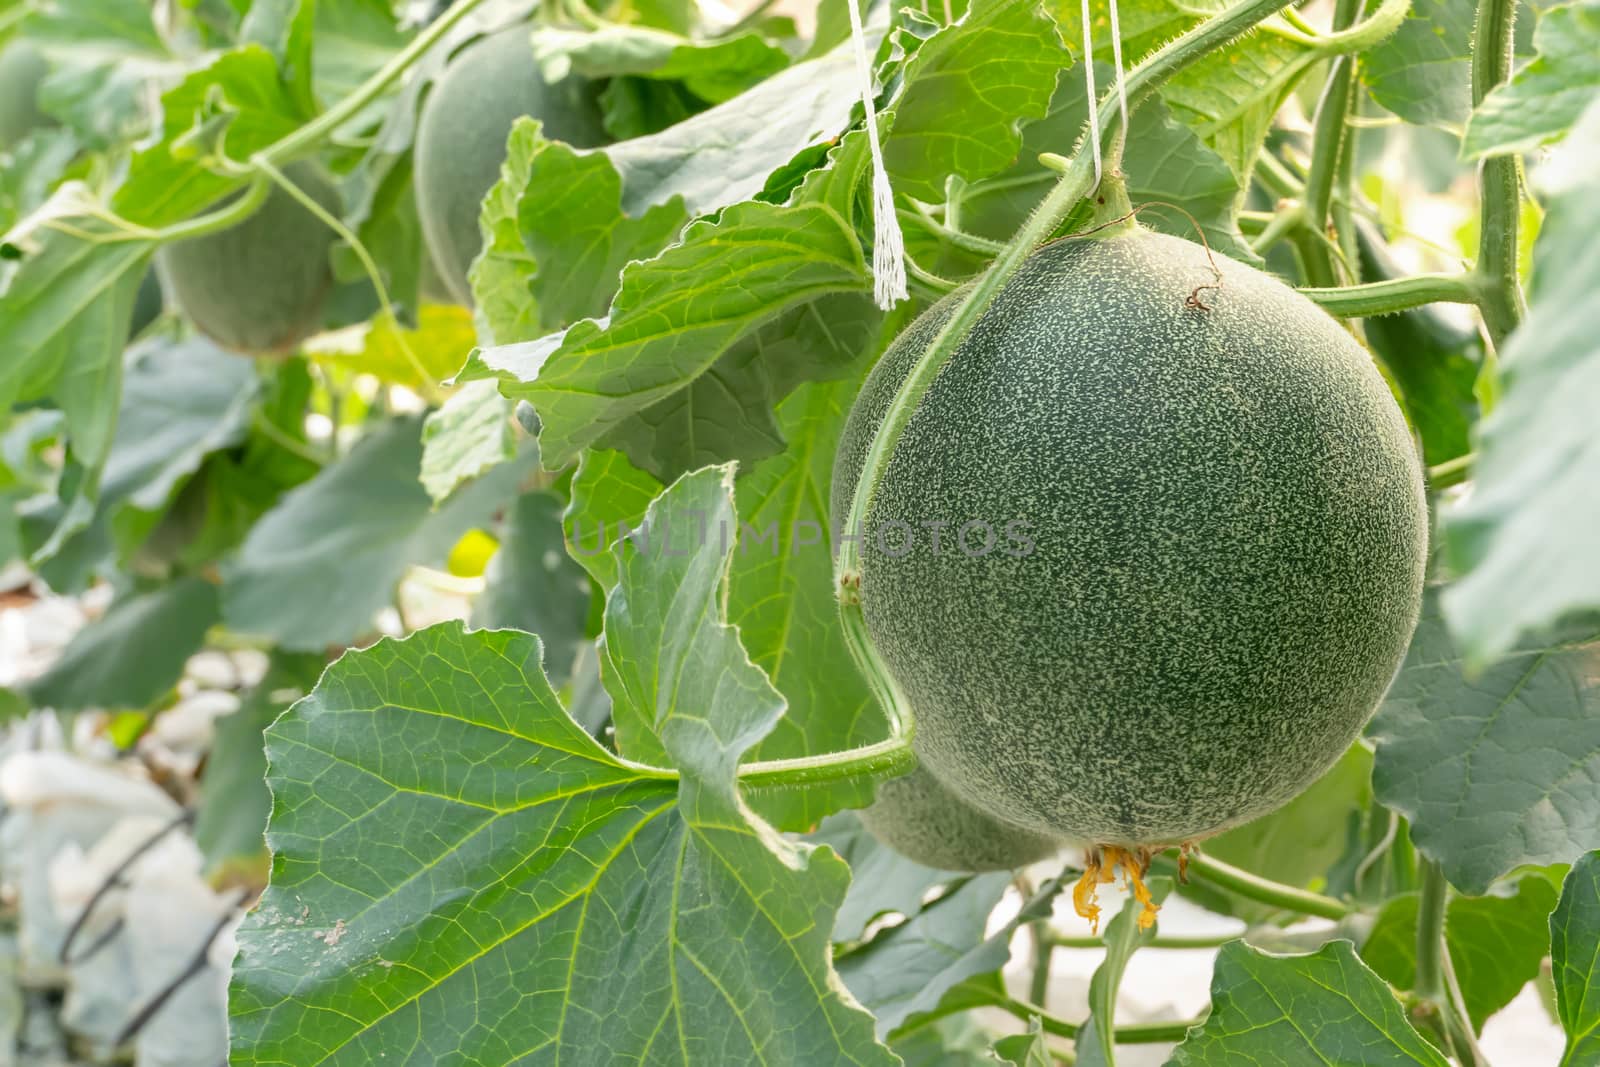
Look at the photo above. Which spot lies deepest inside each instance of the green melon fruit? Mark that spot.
(22, 68)
(922, 820)
(1216, 553)
(259, 286)
(461, 139)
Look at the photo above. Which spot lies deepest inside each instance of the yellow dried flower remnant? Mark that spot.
(1100, 866)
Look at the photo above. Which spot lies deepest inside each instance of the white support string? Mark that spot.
(1116, 56)
(888, 245)
(1088, 77)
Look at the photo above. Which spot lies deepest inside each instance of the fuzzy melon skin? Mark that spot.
(461, 140)
(922, 820)
(1230, 534)
(22, 68)
(259, 286)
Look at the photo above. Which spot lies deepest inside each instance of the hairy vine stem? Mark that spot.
(1134, 1034)
(1430, 932)
(303, 140)
(1499, 180)
(1451, 472)
(1394, 294)
(225, 217)
(1266, 891)
(947, 231)
(1327, 147)
(1351, 36)
(1173, 941)
(889, 758)
(1435, 980)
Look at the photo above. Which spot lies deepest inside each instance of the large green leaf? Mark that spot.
(104, 54)
(780, 588)
(686, 368)
(1326, 1007)
(180, 402)
(1165, 162)
(134, 654)
(1496, 942)
(1543, 101)
(725, 155)
(996, 68)
(1575, 957)
(674, 319)
(881, 880)
(234, 107)
(609, 497)
(1422, 71)
(33, 167)
(1228, 97)
(532, 584)
(714, 70)
(781, 596)
(1523, 541)
(231, 811)
(907, 970)
(469, 434)
(1494, 770)
(665, 623)
(64, 312)
(352, 40)
(315, 568)
(563, 209)
(729, 412)
(506, 309)
(523, 896)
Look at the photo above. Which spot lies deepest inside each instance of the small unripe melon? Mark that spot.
(1214, 556)
(461, 139)
(923, 821)
(22, 68)
(259, 286)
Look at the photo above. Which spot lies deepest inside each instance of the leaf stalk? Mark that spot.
(889, 758)
(1133, 1034)
(1265, 891)
(1435, 976)
(1174, 941)
(1394, 294)
(1430, 932)
(225, 217)
(1351, 36)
